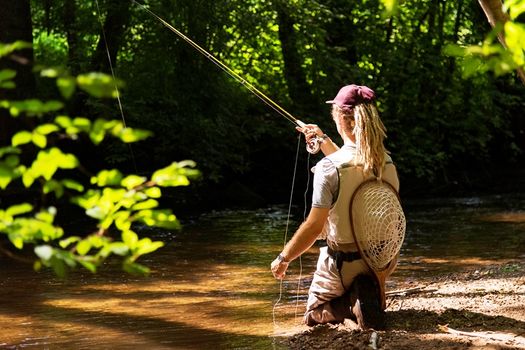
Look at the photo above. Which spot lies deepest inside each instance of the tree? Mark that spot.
(298, 88)
(15, 25)
(494, 11)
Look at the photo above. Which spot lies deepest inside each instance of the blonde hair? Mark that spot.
(363, 121)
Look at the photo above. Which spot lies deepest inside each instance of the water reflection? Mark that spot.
(211, 286)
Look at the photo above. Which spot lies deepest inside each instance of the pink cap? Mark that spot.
(351, 95)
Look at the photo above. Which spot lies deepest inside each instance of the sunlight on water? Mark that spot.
(211, 286)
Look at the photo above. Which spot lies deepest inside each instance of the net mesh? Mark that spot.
(378, 222)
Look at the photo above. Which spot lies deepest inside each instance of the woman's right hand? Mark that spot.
(310, 131)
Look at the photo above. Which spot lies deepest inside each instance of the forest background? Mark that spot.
(448, 133)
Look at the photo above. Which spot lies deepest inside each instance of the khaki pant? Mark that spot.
(328, 285)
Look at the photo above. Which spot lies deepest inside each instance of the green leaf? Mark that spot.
(515, 7)
(98, 131)
(66, 86)
(54, 186)
(130, 238)
(37, 265)
(135, 269)
(88, 265)
(146, 246)
(21, 138)
(34, 107)
(132, 181)
(96, 213)
(68, 241)
(44, 252)
(12, 161)
(7, 174)
(39, 140)
(9, 150)
(7, 74)
(175, 174)
(107, 178)
(18, 209)
(72, 185)
(58, 267)
(129, 135)
(97, 241)
(122, 220)
(119, 248)
(49, 73)
(147, 204)
(99, 84)
(83, 124)
(46, 129)
(63, 121)
(6, 49)
(454, 50)
(53, 106)
(17, 240)
(153, 192)
(83, 247)
(7, 85)
(390, 7)
(47, 215)
(160, 218)
(28, 179)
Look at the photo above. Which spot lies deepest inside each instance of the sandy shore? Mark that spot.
(479, 309)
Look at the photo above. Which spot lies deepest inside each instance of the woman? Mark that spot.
(342, 277)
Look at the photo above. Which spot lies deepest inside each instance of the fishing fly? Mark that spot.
(313, 144)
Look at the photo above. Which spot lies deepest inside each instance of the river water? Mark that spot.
(211, 287)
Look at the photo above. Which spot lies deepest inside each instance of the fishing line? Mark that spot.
(288, 223)
(268, 101)
(114, 81)
(312, 146)
(304, 219)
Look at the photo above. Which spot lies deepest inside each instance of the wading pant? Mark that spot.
(328, 301)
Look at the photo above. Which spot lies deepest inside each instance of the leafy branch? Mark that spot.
(115, 200)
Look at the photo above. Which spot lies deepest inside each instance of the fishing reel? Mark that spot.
(313, 145)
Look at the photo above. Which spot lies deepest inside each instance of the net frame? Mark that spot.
(395, 228)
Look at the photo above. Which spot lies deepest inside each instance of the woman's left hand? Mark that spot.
(279, 268)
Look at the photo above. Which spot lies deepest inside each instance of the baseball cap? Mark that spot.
(351, 95)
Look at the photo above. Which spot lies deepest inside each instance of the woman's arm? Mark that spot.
(302, 240)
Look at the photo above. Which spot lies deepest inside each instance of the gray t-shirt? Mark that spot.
(326, 180)
(326, 177)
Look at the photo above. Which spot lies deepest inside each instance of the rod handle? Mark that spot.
(314, 144)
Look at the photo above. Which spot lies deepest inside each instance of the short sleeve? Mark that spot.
(325, 184)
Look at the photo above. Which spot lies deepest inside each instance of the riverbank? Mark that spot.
(478, 309)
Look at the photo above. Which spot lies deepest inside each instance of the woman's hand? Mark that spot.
(314, 134)
(279, 268)
(310, 131)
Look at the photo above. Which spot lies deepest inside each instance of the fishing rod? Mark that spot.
(312, 146)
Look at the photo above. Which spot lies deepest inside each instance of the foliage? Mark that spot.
(117, 202)
(491, 55)
(443, 129)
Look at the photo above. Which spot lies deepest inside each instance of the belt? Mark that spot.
(339, 257)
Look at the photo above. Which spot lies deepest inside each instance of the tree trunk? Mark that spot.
(457, 21)
(74, 57)
(114, 27)
(295, 76)
(494, 11)
(15, 24)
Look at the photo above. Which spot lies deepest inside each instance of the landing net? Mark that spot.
(378, 222)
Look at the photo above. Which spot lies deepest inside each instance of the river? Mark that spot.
(211, 287)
